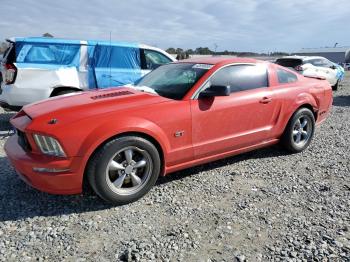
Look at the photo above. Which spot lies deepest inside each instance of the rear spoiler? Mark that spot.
(316, 77)
(10, 40)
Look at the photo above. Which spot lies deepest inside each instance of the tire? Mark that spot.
(124, 169)
(64, 92)
(298, 134)
(335, 87)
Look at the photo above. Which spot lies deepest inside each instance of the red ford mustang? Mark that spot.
(180, 115)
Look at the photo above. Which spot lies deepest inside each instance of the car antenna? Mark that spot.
(110, 58)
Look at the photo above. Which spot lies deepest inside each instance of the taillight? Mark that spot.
(10, 73)
(299, 68)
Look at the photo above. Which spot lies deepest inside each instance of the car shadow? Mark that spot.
(343, 101)
(273, 151)
(20, 201)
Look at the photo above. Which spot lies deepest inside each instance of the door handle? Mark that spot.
(266, 100)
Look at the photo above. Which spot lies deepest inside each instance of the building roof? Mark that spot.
(301, 57)
(324, 50)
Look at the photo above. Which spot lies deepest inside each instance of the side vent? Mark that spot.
(112, 94)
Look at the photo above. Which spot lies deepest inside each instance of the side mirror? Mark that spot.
(216, 91)
(333, 67)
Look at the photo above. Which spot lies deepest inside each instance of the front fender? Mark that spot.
(110, 129)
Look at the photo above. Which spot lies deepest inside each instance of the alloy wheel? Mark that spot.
(302, 130)
(129, 170)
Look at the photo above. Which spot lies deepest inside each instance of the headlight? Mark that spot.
(49, 146)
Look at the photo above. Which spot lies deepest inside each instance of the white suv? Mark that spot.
(314, 66)
(34, 68)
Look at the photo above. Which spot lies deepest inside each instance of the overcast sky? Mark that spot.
(255, 25)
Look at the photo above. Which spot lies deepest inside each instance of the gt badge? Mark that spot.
(179, 133)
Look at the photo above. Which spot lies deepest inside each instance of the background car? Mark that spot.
(179, 115)
(314, 66)
(37, 68)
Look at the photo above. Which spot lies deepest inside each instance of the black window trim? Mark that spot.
(195, 96)
(143, 59)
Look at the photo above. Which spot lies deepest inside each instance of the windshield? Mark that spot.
(173, 80)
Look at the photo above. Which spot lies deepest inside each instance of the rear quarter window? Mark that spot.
(285, 77)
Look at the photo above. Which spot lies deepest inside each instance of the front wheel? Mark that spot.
(124, 169)
(299, 131)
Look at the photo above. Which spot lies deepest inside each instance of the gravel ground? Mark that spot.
(260, 206)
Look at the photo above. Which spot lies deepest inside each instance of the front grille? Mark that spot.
(23, 141)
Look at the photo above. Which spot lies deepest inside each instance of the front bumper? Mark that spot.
(66, 183)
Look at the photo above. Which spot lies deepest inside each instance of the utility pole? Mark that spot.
(215, 48)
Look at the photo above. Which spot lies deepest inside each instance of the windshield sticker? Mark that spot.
(203, 66)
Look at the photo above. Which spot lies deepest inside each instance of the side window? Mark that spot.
(327, 63)
(318, 62)
(42, 53)
(286, 77)
(117, 57)
(241, 77)
(154, 59)
(314, 62)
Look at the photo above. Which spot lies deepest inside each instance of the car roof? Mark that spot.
(87, 42)
(212, 60)
(69, 41)
(75, 41)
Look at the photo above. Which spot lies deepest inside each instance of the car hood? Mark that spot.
(90, 103)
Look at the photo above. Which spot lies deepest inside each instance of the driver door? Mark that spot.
(242, 119)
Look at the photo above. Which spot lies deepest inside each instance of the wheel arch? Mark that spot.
(310, 107)
(308, 101)
(148, 137)
(305, 104)
(56, 90)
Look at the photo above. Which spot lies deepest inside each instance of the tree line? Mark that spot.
(208, 51)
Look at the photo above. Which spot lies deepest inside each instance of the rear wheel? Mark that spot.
(335, 87)
(299, 131)
(124, 169)
(64, 92)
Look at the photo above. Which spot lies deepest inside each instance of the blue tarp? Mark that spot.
(113, 64)
(44, 54)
